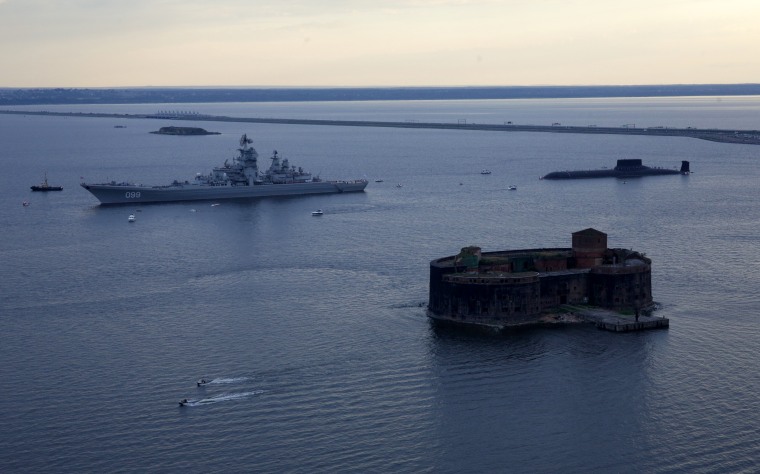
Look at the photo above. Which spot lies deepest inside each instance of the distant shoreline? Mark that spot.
(184, 95)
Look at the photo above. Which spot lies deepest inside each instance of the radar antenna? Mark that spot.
(244, 140)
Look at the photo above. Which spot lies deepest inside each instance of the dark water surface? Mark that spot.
(314, 329)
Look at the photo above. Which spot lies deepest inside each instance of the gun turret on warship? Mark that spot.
(239, 180)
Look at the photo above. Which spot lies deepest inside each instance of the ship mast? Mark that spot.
(248, 159)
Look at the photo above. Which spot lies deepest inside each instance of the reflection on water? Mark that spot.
(319, 324)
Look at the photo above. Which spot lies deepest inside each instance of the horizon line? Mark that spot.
(388, 86)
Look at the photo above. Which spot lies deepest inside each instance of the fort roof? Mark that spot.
(589, 231)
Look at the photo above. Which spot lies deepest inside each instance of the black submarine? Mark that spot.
(631, 168)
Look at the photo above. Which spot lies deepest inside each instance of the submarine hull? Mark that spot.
(624, 169)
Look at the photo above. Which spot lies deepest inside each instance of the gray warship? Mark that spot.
(240, 180)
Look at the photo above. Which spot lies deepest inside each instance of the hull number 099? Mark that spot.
(132, 194)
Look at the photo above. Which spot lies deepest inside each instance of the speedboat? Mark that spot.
(202, 382)
(512, 187)
(184, 402)
(484, 171)
(318, 212)
(131, 218)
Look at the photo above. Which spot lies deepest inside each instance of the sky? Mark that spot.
(337, 43)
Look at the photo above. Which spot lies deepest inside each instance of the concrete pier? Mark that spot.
(617, 322)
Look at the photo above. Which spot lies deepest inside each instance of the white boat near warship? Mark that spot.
(240, 180)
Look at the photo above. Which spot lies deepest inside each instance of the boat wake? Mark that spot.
(420, 304)
(224, 397)
(227, 380)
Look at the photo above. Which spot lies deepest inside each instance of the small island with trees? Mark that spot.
(184, 131)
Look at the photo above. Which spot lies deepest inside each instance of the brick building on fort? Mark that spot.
(515, 287)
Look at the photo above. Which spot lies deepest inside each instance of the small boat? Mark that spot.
(184, 402)
(484, 171)
(318, 212)
(202, 382)
(25, 203)
(378, 180)
(512, 187)
(131, 218)
(44, 186)
(399, 185)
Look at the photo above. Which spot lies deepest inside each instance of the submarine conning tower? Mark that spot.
(685, 167)
(629, 165)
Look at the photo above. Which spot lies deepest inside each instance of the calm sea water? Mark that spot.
(314, 329)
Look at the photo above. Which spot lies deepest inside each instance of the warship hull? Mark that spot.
(109, 194)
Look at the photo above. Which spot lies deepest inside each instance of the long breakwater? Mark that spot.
(745, 137)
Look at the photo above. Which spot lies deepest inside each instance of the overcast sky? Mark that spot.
(113, 43)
